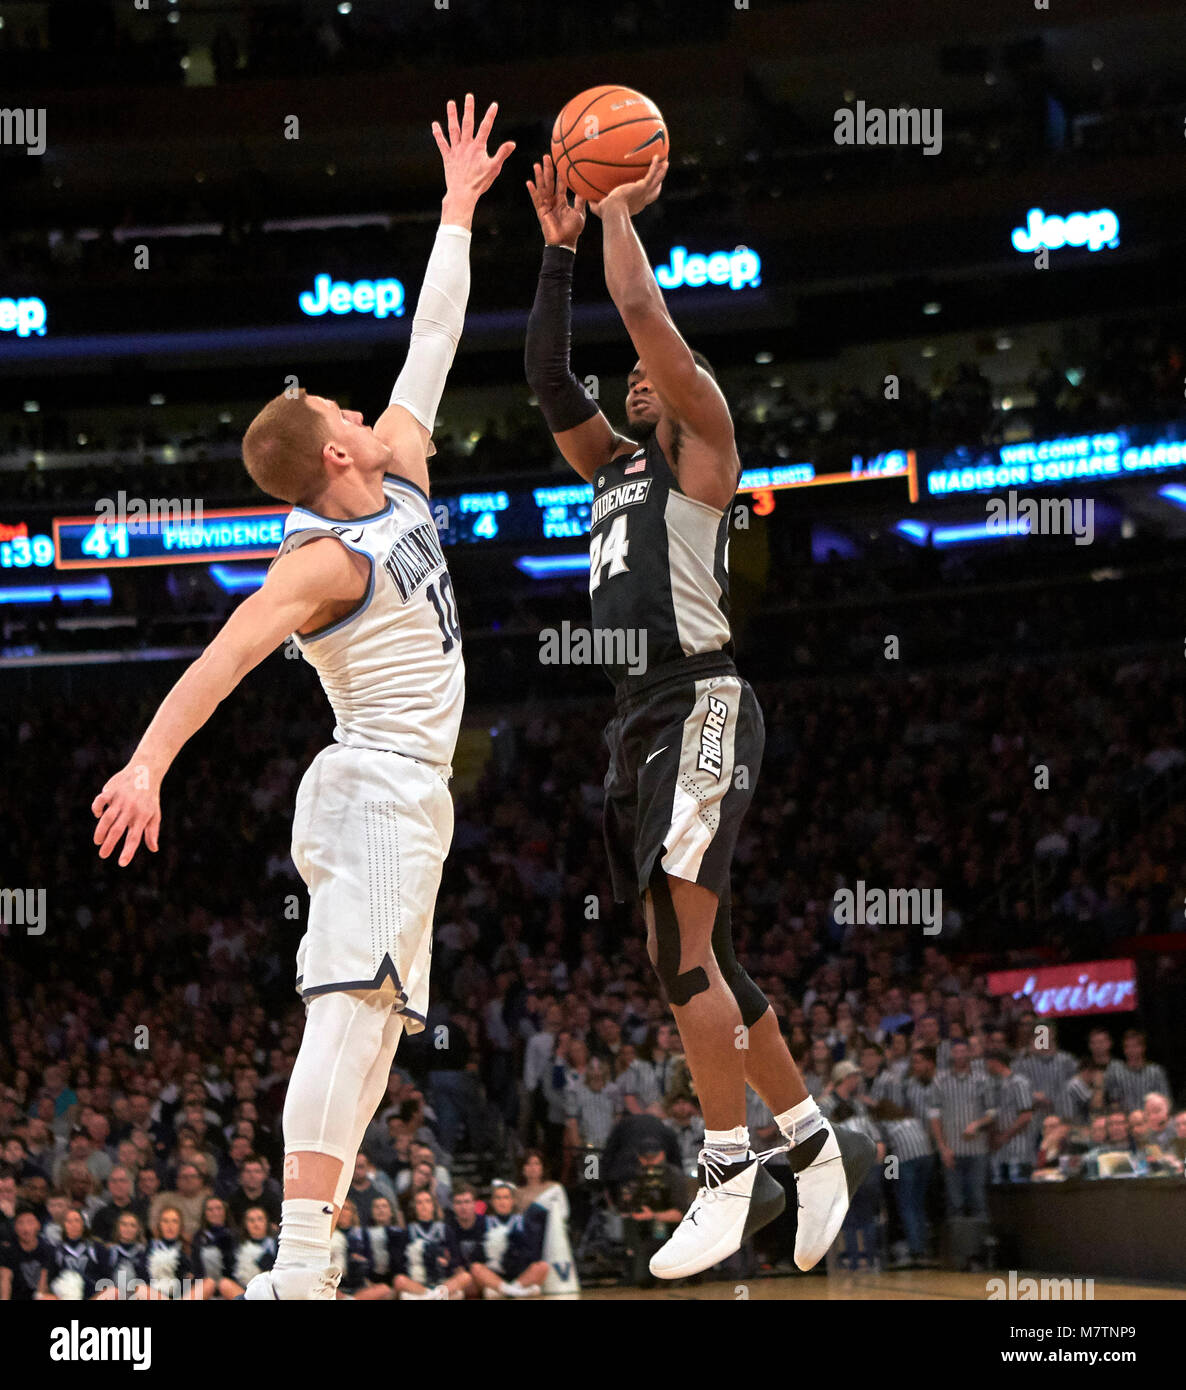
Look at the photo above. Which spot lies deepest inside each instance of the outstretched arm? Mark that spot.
(297, 588)
(582, 433)
(407, 423)
(687, 388)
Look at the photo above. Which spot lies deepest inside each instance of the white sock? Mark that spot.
(305, 1229)
(733, 1144)
(508, 1286)
(800, 1121)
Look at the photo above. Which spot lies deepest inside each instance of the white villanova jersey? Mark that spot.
(392, 670)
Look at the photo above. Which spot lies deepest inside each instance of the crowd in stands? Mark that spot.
(124, 1179)
(147, 1035)
(1038, 113)
(298, 39)
(785, 414)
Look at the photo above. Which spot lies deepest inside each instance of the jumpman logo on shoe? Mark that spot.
(757, 1199)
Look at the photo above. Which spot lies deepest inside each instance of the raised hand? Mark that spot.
(634, 196)
(560, 221)
(469, 170)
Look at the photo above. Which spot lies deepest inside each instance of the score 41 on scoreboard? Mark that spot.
(233, 533)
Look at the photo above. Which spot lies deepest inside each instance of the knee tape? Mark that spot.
(750, 1000)
(680, 988)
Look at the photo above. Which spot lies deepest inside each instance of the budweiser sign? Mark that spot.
(1057, 991)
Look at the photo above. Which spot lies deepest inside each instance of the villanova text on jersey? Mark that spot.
(415, 555)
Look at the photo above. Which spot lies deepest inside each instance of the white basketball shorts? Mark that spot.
(369, 838)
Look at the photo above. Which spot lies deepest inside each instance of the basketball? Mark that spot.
(607, 136)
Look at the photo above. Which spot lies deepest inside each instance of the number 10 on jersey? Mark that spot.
(608, 549)
(446, 610)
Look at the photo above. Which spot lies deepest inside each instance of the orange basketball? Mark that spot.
(605, 137)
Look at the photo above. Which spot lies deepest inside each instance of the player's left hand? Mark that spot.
(469, 170)
(131, 802)
(635, 196)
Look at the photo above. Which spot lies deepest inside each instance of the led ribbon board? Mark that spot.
(233, 533)
(1068, 461)
(21, 551)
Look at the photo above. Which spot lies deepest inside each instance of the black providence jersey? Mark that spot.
(658, 568)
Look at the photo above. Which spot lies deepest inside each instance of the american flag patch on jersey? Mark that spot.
(635, 467)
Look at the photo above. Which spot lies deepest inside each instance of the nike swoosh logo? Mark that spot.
(657, 751)
(658, 135)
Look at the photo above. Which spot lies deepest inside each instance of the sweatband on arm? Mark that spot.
(563, 401)
(436, 328)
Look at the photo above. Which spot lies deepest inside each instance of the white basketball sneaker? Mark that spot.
(829, 1166)
(295, 1283)
(734, 1201)
(513, 1289)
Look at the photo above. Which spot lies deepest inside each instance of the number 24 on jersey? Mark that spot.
(608, 549)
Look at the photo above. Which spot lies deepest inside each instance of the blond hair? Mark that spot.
(282, 449)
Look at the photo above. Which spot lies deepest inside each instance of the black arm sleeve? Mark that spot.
(564, 402)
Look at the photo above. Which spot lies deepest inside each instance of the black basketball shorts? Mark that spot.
(684, 759)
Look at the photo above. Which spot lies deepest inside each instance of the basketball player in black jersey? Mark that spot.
(687, 740)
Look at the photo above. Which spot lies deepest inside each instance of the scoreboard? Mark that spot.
(229, 533)
(558, 512)
(169, 532)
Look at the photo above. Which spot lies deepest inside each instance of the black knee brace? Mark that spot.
(750, 999)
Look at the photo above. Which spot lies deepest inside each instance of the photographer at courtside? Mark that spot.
(653, 1201)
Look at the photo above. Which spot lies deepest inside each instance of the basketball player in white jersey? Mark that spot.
(361, 582)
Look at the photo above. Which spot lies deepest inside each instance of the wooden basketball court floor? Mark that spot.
(907, 1286)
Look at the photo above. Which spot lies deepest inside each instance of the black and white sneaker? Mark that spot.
(829, 1166)
(734, 1201)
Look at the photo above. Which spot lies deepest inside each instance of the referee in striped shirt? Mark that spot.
(960, 1116)
(902, 1107)
(593, 1106)
(1127, 1083)
(1051, 1073)
(1012, 1140)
